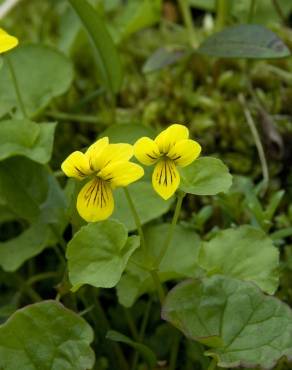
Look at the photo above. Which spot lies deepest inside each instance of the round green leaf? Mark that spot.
(245, 253)
(243, 327)
(205, 176)
(42, 73)
(177, 263)
(149, 205)
(26, 138)
(46, 336)
(98, 254)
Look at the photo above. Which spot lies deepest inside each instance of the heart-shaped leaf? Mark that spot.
(98, 254)
(245, 253)
(26, 138)
(46, 336)
(243, 327)
(42, 73)
(205, 176)
(250, 41)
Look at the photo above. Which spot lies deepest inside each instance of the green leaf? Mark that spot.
(249, 41)
(136, 15)
(145, 351)
(245, 253)
(26, 138)
(42, 73)
(164, 57)
(98, 254)
(177, 263)
(243, 327)
(15, 251)
(127, 133)
(148, 204)
(30, 191)
(205, 176)
(107, 58)
(46, 336)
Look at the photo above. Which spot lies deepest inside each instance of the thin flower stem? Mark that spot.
(42, 276)
(251, 11)
(258, 143)
(137, 220)
(222, 8)
(83, 118)
(158, 285)
(174, 351)
(16, 86)
(131, 324)
(171, 229)
(188, 21)
(152, 271)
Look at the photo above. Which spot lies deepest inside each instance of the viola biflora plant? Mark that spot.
(128, 216)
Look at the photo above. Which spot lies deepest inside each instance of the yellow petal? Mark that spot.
(95, 150)
(114, 153)
(76, 165)
(7, 41)
(146, 151)
(184, 152)
(165, 178)
(95, 201)
(121, 173)
(169, 137)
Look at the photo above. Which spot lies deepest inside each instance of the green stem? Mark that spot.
(212, 364)
(258, 143)
(158, 285)
(153, 271)
(73, 117)
(131, 324)
(137, 220)
(222, 13)
(174, 351)
(279, 11)
(171, 229)
(16, 86)
(43, 276)
(251, 11)
(142, 331)
(188, 21)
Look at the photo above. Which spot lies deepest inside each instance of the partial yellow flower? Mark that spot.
(109, 167)
(172, 148)
(7, 41)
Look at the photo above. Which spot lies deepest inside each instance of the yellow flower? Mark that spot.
(7, 41)
(109, 167)
(171, 148)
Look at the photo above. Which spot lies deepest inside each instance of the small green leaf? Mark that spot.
(26, 138)
(42, 73)
(15, 251)
(249, 41)
(148, 204)
(98, 254)
(205, 176)
(164, 57)
(46, 336)
(245, 253)
(31, 192)
(145, 351)
(243, 327)
(107, 57)
(177, 262)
